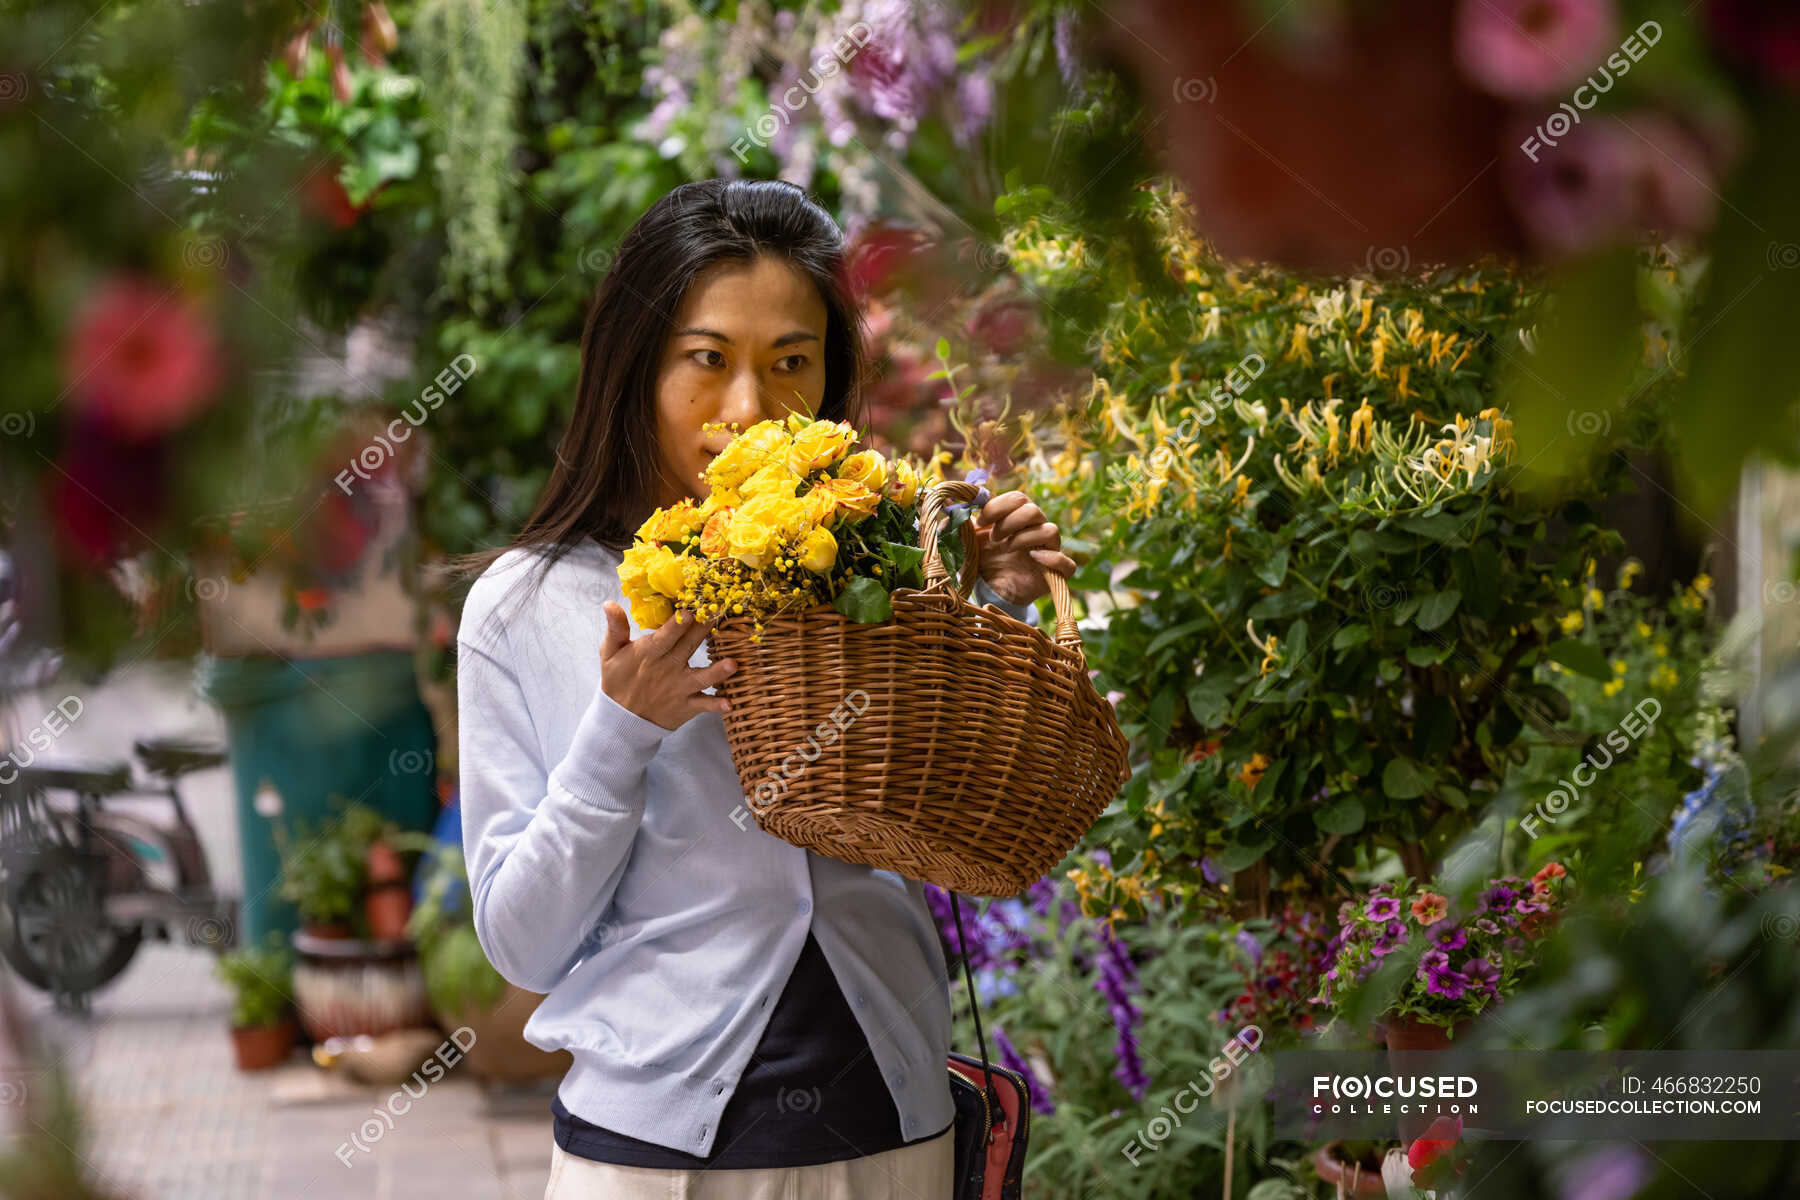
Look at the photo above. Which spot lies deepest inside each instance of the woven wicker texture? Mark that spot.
(952, 743)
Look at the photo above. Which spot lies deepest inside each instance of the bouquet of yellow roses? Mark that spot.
(795, 518)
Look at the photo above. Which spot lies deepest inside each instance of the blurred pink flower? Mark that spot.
(1581, 195)
(1526, 48)
(1611, 178)
(142, 358)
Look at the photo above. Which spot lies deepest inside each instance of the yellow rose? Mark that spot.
(667, 572)
(818, 552)
(753, 536)
(903, 487)
(671, 524)
(819, 445)
(650, 612)
(846, 497)
(771, 479)
(866, 467)
(763, 442)
(712, 538)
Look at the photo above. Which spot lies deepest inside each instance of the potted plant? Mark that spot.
(262, 1019)
(322, 876)
(1462, 963)
(464, 989)
(387, 895)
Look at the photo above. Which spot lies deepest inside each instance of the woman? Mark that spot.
(746, 1019)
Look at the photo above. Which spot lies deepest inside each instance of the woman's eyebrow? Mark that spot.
(799, 335)
(696, 331)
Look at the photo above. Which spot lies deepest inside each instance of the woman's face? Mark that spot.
(748, 344)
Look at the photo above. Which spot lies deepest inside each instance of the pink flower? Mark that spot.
(142, 358)
(1580, 194)
(1610, 178)
(1526, 48)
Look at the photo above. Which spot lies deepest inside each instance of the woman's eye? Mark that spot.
(702, 357)
(792, 363)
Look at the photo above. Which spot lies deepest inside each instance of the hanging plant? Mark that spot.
(473, 86)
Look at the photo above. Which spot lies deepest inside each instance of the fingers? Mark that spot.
(1054, 560)
(693, 633)
(999, 507)
(670, 633)
(618, 630)
(1044, 535)
(712, 704)
(713, 674)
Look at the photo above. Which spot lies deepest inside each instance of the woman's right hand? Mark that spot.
(651, 677)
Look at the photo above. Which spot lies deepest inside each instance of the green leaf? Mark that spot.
(1350, 635)
(1404, 779)
(1438, 607)
(943, 347)
(1209, 699)
(908, 562)
(1345, 815)
(1171, 634)
(1273, 569)
(1241, 854)
(1580, 658)
(1282, 604)
(1439, 527)
(864, 601)
(1429, 654)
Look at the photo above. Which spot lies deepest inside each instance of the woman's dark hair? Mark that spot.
(609, 464)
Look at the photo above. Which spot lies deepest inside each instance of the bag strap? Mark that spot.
(962, 944)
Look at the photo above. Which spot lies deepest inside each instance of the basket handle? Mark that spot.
(931, 519)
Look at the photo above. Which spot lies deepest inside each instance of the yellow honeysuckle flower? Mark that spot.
(1572, 621)
(1362, 425)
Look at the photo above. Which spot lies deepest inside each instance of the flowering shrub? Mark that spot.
(794, 519)
(1327, 599)
(1462, 965)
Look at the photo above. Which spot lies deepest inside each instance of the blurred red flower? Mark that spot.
(142, 359)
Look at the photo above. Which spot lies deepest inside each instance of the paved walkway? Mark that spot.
(169, 1117)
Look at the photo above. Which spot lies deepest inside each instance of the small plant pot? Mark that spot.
(1404, 1036)
(328, 929)
(1351, 1179)
(387, 907)
(260, 1047)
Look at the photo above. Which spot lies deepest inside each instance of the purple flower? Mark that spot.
(1447, 983)
(1452, 938)
(1210, 872)
(1482, 975)
(1382, 908)
(1527, 907)
(1499, 898)
(1012, 1060)
(1433, 959)
(1249, 945)
(1068, 55)
(978, 477)
(1526, 48)
(1612, 1171)
(1488, 927)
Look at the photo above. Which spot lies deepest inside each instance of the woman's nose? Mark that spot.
(743, 399)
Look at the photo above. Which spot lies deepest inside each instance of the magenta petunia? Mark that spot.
(1383, 909)
(1531, 48)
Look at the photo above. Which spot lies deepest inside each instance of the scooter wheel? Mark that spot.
(53, 930)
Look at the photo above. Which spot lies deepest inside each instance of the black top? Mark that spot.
(811, 1093)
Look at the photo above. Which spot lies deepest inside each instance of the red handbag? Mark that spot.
(993, 1111)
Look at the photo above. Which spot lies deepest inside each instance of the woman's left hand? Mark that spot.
(1017, 546)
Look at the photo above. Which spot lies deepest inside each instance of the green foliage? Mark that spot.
(458, 976)
(323, 871)
(261, 982)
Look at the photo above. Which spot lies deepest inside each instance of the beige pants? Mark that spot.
(918, 1172)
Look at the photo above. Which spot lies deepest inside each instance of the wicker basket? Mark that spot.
(952, 743)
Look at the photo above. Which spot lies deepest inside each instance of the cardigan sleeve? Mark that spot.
(981, 594)
(546, 843)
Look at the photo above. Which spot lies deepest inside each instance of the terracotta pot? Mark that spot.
(387, 907)
(260, 1047)
(1352, 1179)
(500, 1051)
(330, 929)
(1402, 1035)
